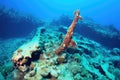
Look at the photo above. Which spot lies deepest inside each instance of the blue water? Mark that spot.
(104, 12)
(97, 39)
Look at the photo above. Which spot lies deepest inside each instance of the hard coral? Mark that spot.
(27, 52)
(68, 38)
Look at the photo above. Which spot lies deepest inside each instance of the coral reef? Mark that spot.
(109, 36)
(35, 59)
(19, 21)
(6, 50)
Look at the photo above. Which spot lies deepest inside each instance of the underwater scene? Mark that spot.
(59, 40)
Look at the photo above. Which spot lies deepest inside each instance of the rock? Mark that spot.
(54, 73)
(32, 73)
(45, 72)
(61, 59)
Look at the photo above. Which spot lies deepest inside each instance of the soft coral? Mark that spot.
(68, 38)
